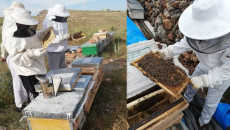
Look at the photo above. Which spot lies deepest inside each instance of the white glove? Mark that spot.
(163, 53)
(60, 38)
(198, 82)
(65, 37)
(39, 52)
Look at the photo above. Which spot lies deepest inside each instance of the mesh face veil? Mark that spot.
(210, 46)
(25, 30)
(60, 19)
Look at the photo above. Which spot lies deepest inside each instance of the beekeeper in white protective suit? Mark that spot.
(206, 28)
(20, 95)
(57, 19)
(25, 49)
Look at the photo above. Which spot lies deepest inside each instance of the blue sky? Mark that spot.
(37, 5)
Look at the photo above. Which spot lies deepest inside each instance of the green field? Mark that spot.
(109, 108)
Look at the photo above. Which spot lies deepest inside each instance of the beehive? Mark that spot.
(154, 109)
(90, 49)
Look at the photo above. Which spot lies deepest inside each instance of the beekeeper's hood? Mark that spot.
(8, 24)
(26, 24)
(24, 17)
(57, 10)
(14, 4)
(205, 23)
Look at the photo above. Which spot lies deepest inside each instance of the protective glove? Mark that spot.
(3, 59)
(163, 53)
(198, 82)
(60, 38)
(65, 37)
(39, 52)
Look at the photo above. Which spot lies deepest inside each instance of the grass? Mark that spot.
(109, 108)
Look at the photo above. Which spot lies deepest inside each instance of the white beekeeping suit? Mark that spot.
(205, 24)
(57, 19)
(25, 49)
(9, 26)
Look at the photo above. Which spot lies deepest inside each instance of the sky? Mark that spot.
(37, 5)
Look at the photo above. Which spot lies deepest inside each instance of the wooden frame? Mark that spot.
(174, 91)
(135, 102)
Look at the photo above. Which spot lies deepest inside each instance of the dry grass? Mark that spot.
(109, 108)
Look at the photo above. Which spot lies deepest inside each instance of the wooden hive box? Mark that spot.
(174, 91)
(90, 66)
(57, 113)
(155, 110)
(90, 49)
(67, 111)
(135, 9)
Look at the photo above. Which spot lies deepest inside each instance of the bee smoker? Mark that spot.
(47, 88)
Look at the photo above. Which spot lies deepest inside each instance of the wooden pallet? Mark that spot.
(174, 91)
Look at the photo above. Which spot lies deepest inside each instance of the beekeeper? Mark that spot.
(20, 95)
(25, 49)
(57, 19)
(206, 29)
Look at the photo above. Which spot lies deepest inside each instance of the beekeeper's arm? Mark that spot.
(174, 50)
(47, 23)
(20, 55)
(42, 33)
(60, 38)
(216, 75)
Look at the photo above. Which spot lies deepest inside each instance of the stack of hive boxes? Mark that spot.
(68, 110)
(97, 43)
(90, 66)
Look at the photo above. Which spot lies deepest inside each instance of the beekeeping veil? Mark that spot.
(58, 13)
(205, 23)
(26, 24)
(9, 25)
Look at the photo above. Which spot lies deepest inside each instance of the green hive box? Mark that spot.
(90, 49)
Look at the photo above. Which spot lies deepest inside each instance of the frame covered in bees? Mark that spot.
(164, 73)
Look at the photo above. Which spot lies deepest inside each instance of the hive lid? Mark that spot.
(87, 62)
(64, 106)
(87, 44)
(82, 83)
(133, 1)
(134, 5)
(69, 78)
